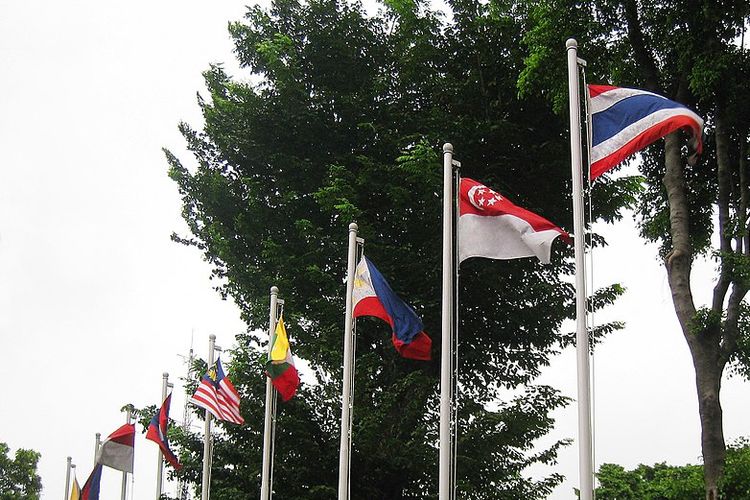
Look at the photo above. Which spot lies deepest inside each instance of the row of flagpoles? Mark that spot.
(477, 222)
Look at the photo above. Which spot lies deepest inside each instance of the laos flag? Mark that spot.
(157, 432)
(372, 296)
(624, 121)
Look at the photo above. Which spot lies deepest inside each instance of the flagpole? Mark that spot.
(346, 390)
(67, 477)
(97, 444)
(205, 486)
(446, 373)
(160, 455)
(585, 460)
(124, 490)
(265, 483)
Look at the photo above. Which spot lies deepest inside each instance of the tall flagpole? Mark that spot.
(124, 490)
(265, 483)
(160, 455)
(69, 466)
(205, 486)
(97, 444)
(346, 386)
(446, 372)
(585, 452)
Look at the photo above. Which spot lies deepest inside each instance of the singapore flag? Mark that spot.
(490, 226)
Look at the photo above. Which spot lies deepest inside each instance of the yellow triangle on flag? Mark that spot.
(280, 342)
(75, 490)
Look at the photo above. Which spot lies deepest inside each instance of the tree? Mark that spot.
(340, 118)
(686, 51)
(18, 476)
(669, 482)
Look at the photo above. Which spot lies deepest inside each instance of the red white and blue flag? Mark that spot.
(491, 226)
(157, 432)
(216, 394)
(90, 490)
(117, 450)
(624, 121)
(373, 296)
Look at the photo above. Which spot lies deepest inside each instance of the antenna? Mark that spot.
(183, 487)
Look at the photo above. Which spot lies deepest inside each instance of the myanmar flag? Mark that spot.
(280, 365)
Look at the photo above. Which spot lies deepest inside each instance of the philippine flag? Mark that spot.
(90, 490)
(624, 121)
(372, 296)
(490, 226)
(157, 432)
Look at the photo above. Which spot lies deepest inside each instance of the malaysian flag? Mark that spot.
(216, 394)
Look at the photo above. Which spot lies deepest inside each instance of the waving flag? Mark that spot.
(280, 366)
(117, 450)
(490, 226)
(75, 490)
(90, 490)
(624, 121)
(216, 394)
(372, 296)
(157, 432)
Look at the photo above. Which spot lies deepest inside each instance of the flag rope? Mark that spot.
(590, 313)
(454, 337)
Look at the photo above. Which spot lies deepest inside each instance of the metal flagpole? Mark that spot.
(205, 486)
(67, 477)
(160, 456)
(446, 374)
(585, 461)
(346, 391)
(124, 490)
(265, 483)
(97, 444)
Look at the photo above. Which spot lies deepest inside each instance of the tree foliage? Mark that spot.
(669, 482)
(18, 476)
(337, 117)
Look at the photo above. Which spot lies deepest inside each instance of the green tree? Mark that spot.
(338, 116)
(687, 51)
(18, 476)
(668, 482)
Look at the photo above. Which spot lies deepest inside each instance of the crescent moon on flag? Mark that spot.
(471, 196)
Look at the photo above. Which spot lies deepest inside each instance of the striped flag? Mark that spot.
(90, 490)
(624, 121)
(75, 490)
(280, 365)
(216, 394)
(117, 450)
(157, 432)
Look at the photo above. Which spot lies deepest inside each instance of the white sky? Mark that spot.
(96, 301)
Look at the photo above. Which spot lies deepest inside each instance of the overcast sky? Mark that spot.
(96, 301)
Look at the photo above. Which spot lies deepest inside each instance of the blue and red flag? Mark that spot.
(624, 121)
(157, 432)
(372, 296)
(90, 490)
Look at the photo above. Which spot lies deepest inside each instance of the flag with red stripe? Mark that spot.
(216, 394)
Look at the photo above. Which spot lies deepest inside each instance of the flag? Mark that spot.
(280, 365)
(216, 394)
(75, 490)
(157, 432)
(117, 450)
(372, 296)
(489, 225)
(624, 121)
(90, 490)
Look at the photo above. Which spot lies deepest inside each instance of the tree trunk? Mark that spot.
(702, 339)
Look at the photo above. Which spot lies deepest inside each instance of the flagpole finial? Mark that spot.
(165, 375)
(212, 337)
(571, 43)
(353, 227)
(274, 290)
(447, 147)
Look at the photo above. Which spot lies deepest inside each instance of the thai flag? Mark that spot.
(624, 121)
(157, 432)
(372, 296)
